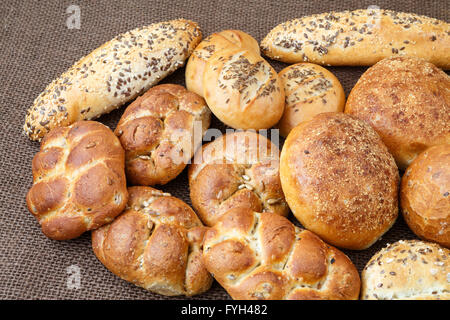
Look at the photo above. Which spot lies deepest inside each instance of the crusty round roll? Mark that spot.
(156, 243)
(408, 270)
(425, 195)
(239, 169)
(310, 89)
(195, 67)
(264, 256)
(113, 74)
(78, 180)
(339, 180)
(160, 132)
(407, 101)
(243, 90)
(359, 38)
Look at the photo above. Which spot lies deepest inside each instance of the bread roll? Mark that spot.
(239, 169)
(310, 90)
(158, 133)
(425, 195)
(243, 90)
(78, 180)
(359, 38)
(195, 67)
(155, 244)
(339, 180)
(264, 256)
(408, 270)
(112, 75)
(407, 101)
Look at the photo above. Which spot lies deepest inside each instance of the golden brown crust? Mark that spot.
(339, 180)
(359, 38)
(264, 256)
(425, 195)
(410, 108)
(237, 169)
(157, 132)
(310, 89)
(195, 67)
(242, 89)
(156, 244)
(408, 270)
(113, 74)
(78, 180)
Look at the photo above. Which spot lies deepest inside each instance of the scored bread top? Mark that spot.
(112, 74)
(216, 42)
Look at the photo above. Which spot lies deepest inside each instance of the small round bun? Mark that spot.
(408, 270)
(156, 243)
(339, 180)
(425, 195)
(407, 101)
(243, 90)
(263, 256)
(239, 169)
(157, 133)
(195, 67)
(310, 89)
(78, 180)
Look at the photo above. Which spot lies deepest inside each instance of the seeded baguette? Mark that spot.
(359, 38)
(112, 75)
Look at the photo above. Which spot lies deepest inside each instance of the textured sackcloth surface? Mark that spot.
(36, 46)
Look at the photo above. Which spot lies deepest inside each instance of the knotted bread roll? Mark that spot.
(160, 132)
(239, 169)
(425, 195)
(407, 101)
(339, 179)
(156, 243)
(113, 74)
(78, 180)
(195, 67)
(407, 270)
(264, 256)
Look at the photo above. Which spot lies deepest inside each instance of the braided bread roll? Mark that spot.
(156, 243)
(239, 169)
(359, 38)
(160, 131)
(78, 180)
(264, 256)
(113, 74)
(216, 42)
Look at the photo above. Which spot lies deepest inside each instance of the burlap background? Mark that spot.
(36, 46)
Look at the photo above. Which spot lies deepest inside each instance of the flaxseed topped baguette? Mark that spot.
(112, 75)
(361, 37)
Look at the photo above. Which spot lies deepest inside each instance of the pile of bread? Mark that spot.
(338, 171)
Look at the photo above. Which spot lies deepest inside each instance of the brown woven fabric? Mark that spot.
(36, 46)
